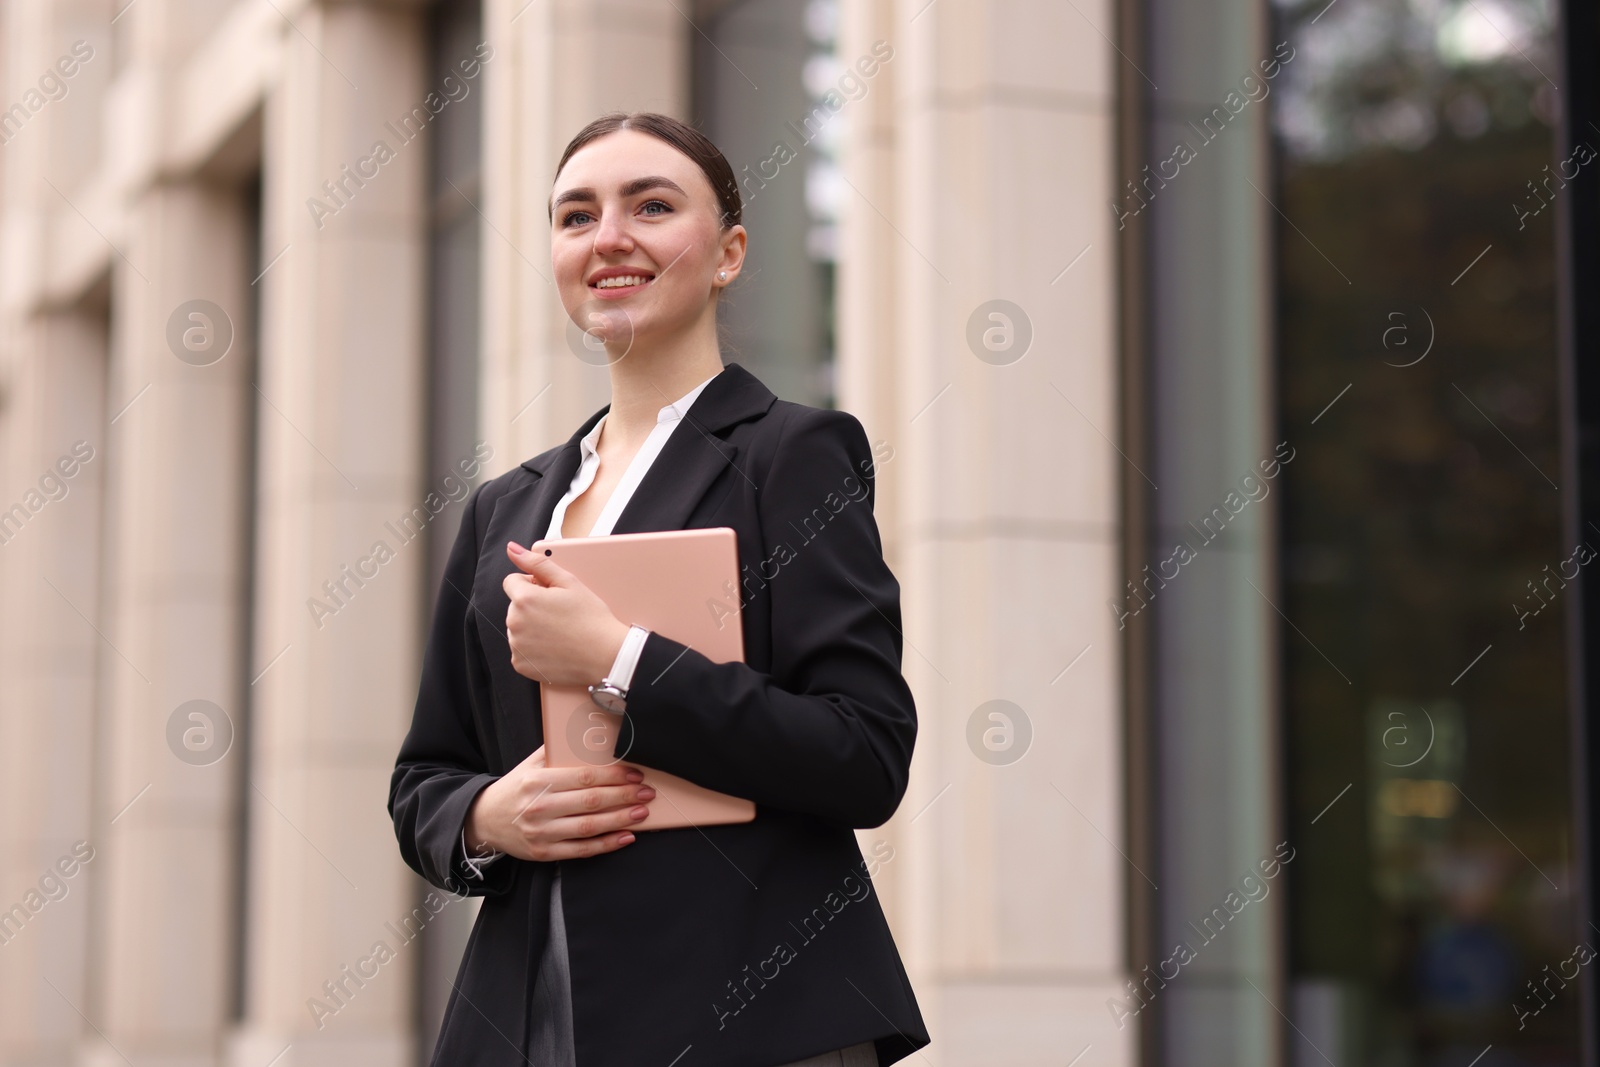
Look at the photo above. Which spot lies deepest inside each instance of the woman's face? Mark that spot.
(635, 241)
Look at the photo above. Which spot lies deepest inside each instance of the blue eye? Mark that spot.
(663, 203)
(566, 220)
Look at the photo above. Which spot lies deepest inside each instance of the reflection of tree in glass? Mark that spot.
(1406, 132)
(1375, 74)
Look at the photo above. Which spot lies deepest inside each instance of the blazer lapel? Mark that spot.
(690, 462)
(676, 482)
(696, 454)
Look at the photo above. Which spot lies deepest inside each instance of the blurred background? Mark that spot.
(1240, 495)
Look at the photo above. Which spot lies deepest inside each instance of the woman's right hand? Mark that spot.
(539, 812)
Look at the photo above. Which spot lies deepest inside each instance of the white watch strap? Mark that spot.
(628, 656)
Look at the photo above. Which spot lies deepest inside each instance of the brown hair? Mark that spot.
(685, 138)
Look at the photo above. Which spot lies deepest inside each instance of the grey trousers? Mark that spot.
(862, 1055)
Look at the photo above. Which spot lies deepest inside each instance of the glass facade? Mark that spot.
(1425, 573)
(765, 90)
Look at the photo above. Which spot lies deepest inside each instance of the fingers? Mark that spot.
(516, 582)
(589, 776)
(552, 806)
(576, 836)
(541, 569)
(537, 781)
(593, 846)
(533, 572)
(578, 828)
(520, 557)
(573, 812)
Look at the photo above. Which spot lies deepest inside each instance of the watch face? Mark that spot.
(608, 700)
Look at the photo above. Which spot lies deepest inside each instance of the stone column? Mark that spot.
(1014, 889)
(338, 609)
(50, 523)
(870, 360)
(53, 453)
(178, 456)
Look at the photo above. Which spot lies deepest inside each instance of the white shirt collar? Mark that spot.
(671, 413)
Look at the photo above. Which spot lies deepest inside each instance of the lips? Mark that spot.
(620, 281)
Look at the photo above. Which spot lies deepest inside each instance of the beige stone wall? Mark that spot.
(981, 175)
(50, 575)
(978, 165)
(341, 450)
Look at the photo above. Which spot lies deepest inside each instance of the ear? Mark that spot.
(734, 242)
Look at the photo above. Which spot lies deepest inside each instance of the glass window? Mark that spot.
(764, 73)
(1424, 570)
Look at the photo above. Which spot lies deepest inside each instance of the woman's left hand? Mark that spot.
(560, 632)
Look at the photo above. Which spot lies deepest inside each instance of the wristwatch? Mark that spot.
(610, 696)
(612, 692)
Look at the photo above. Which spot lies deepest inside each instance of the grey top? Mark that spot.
(550, 1038)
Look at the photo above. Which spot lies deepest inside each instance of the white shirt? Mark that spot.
(667, 420)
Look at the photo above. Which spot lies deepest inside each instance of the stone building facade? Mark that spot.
(274, 286)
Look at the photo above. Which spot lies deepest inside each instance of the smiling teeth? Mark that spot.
(621, 281)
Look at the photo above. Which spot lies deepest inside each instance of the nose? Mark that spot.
(612, 236)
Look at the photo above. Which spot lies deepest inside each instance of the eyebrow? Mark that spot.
(638, 185)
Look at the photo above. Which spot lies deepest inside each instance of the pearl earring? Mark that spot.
(722, 274)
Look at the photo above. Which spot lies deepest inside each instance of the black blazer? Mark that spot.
(743, 945)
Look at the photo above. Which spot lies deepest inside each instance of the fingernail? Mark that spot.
(635, 776)
(516, 549)
(627, 839)
(646, 793)
(639, 812)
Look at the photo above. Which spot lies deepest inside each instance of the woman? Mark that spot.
(747, 945)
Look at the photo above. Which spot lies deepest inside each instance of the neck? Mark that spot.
(657, 371)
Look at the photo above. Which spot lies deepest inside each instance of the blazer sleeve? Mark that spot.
(829, 731)
(441, 767)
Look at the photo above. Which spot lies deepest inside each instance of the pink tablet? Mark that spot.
(682, 584)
